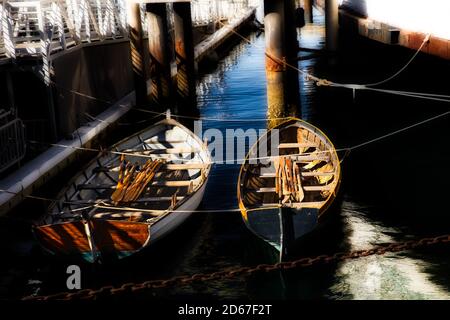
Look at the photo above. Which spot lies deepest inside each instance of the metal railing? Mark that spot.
(12, 140)
(47, 26)
(206, 11)
(42, 28)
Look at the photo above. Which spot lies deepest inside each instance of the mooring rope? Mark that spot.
(350, 148)
(368, 86)
(425, 41)
(318, 81)
(210, 118)
(398, 131)
(227, 161)
(105, 205)
(347, 151)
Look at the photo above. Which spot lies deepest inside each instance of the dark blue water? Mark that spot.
(380, 196)
(393, 190)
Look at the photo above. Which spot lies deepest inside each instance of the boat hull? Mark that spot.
(176, 218)
(282, 228)
(111, 230)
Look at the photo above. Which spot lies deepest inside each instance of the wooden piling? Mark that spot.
(184, 51)
(331, 24)
(10, 89)
(51, 113)
(161, 52)
(137, 52)
(281, 50)
(308, 7)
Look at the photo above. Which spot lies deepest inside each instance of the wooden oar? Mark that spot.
(148, 177)
(300, 192)
(294, 181)
(300, 139)
(134, 182)
(137, 181)
(276, 163)
(118, 195)
(285, 180)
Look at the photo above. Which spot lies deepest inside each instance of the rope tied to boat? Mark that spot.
(232, 273)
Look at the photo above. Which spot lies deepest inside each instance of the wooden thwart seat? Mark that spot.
(177, 183)
(305, 188)
(296, 145)
(298, 205)
(305, 174)
(184, 166)
(157, 141)
(311, 157)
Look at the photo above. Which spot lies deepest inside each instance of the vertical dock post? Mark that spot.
(137, 52)
(281, 44)
(52, 114)
(10, 88)
(184, 51)
(48, 82)
(331, 24)
(161, 53)
(308, 7)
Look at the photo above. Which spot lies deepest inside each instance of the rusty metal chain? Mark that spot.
(241, 272)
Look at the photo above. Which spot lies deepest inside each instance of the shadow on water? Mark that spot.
(392, 190)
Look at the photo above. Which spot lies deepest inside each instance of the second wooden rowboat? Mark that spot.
(283, 196)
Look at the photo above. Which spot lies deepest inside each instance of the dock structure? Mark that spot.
(88, 63)
(379, 22)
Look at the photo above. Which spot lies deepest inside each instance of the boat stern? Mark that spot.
(99, 241)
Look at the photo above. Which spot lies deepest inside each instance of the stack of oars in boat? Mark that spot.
(133, 180)
(288, 184)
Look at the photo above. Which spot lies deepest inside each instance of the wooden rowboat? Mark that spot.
(283, 196)
(130, 197)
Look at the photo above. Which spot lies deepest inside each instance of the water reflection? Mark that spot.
(391, 276)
